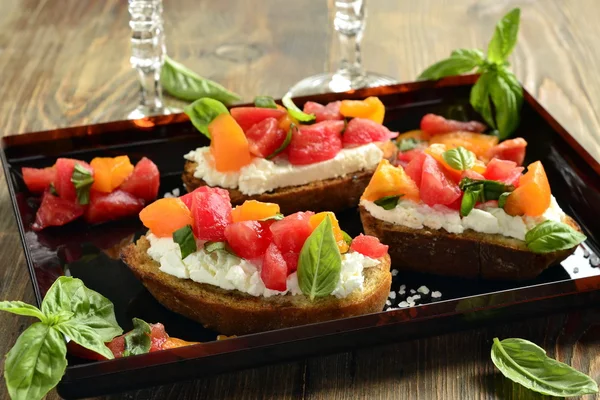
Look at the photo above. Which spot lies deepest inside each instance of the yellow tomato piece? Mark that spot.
(533, 196)
(370, 108)
(173, 343)
(316, 219)
(478, 143)
(390, 181)
(165, 216)
(415, 134)
(110, 172)
(253, 210)
(228, 145)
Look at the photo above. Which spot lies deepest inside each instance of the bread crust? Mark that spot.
(334, 194)
(469, 254)
(231, 312)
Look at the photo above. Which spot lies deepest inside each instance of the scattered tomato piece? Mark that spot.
(144, 181)
(289, 236)
(316, 219)
(188, 197)
(286, 122)
(437, 151)
(436, 187)
(414, 169)
(370, 108)
(274, 270)
(253, 210)
(249, 239)
(110, 172)
(328, 112)
(478, 143)
(504, 171)
(38, 180)
(247, 117)
(436, 124)
(64, 172)
(390, 181)
(229, 146)
(165, 216)
(362, 131)
(533, 195)
(211, 213)
(265, 137)
(56, 211)
(369, 246)
(511, 149)
(105, 207)
(313, 143)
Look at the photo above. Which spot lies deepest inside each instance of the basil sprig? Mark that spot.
(138, 340)
(211, 246)
(294, 111)
(276, 217)
(203, 111)
(347, 238)
(185, 84)
(459, 158)
(320, 262)
(502, 199)
(407, 144)
(525, 363)
(265, 102)
(37, 361)
(286, 142)
(388, 202)
(83, 181)
(552, 236)
(184, 237)
(472, 195)
(496, 85)
(480, 190)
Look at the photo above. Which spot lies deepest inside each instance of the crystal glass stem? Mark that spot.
(349, 23)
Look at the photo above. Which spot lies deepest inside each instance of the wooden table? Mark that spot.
(66, 63)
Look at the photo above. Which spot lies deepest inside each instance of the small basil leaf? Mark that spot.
(505, 37)
(407, 144)
(552, 236)
(388, 202)
(492, 190)
(459, 158)
(460, 61)
(286, 142)
(472, 195)
(347, 238)
(185, 84)
(203, 111)
(210, 246)
(526, 363)
(21, 308)
(295, 112)
(276, 217)
(320, 262)
(36, 362)
(84, 336)
(138, 341)
(502, 199)
(52, 189)
(265, 102)
(480, 97)
(88, 307)
(83, 181)
(507, 95)
(184, 237)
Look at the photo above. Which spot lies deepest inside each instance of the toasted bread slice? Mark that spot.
(334, 194)
(469, 254)
(231, 312)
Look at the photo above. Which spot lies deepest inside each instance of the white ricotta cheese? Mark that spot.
(227, 271)
(263, 175)
(486, 220)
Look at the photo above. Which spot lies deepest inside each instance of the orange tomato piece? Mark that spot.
(173, 343)
(371, 108)
(479, 167)
(416, 134)
(165, 216)
(286, 122)
(533, 195)
(316, 219)
(436, 151)
(253, 210)
(110, 172)
(228, 146)
(390, 181)
(478, 143)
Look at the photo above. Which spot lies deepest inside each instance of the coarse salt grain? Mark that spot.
(423, 289)
(403, 304)
(436, 294)
(388, 303)
(394, 272)
(392, 295)
(413, 291)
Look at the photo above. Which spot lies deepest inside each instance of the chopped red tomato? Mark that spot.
(512, 150)
(436, 124)
(414, 169)
(313, 143)
(144, 181)
(369, 246)
(405, 157)
(211, 213)
(247, 117)
(187, 198)
(274, 270)
(472, 175)
(289, 236)
(504, 171)
(56, 211)
(328, 112)
(38, 180)
(363, 131)
(265, 137)
(436, 187)
(64, 172)
(248, 239)
(105, 207)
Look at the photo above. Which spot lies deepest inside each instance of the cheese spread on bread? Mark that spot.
(487, 219)
(225, 270)
(262, 175)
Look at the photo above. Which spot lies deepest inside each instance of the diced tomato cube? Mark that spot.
(38, 180)
(105, 207)
(144, 181)
(436, 187)
(248, 239)
(329, 112)
(290, 233)
(472, 175)
(211, 213)
(274, 270)
(64, 172)
(362, 131)
(512, 150)
(265, 137)
(414, 169)
(504, 171)
(405, 157)
(436, 124)
(187, 198)
(247, 117)
(369, 246)
(56, 211)
(313, 143)
(158, 337)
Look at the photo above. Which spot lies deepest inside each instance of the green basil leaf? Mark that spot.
(203, 111)
(407, 144)
(36, 362)
(286, 142)
(84, 336)
(185, 84)
(502, 199)
(527, 364)
(460, 61)
(507, 95)
(88, 307)
(184, 237)
(320, 262)
(347, 238)
(210, 246)
(138, 341)
(472, 195)
(83, 181)
(21, 308)
(505, 37)
(294, 111)
(52, 189)
(492, 190)
(265, 102)
(388, 202)
(459, 158)
(552, 236)
(480, 97)
(276, 217)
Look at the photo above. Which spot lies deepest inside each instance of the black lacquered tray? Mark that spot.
(92, 253)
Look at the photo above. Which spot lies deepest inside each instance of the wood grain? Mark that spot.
(66, 63)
